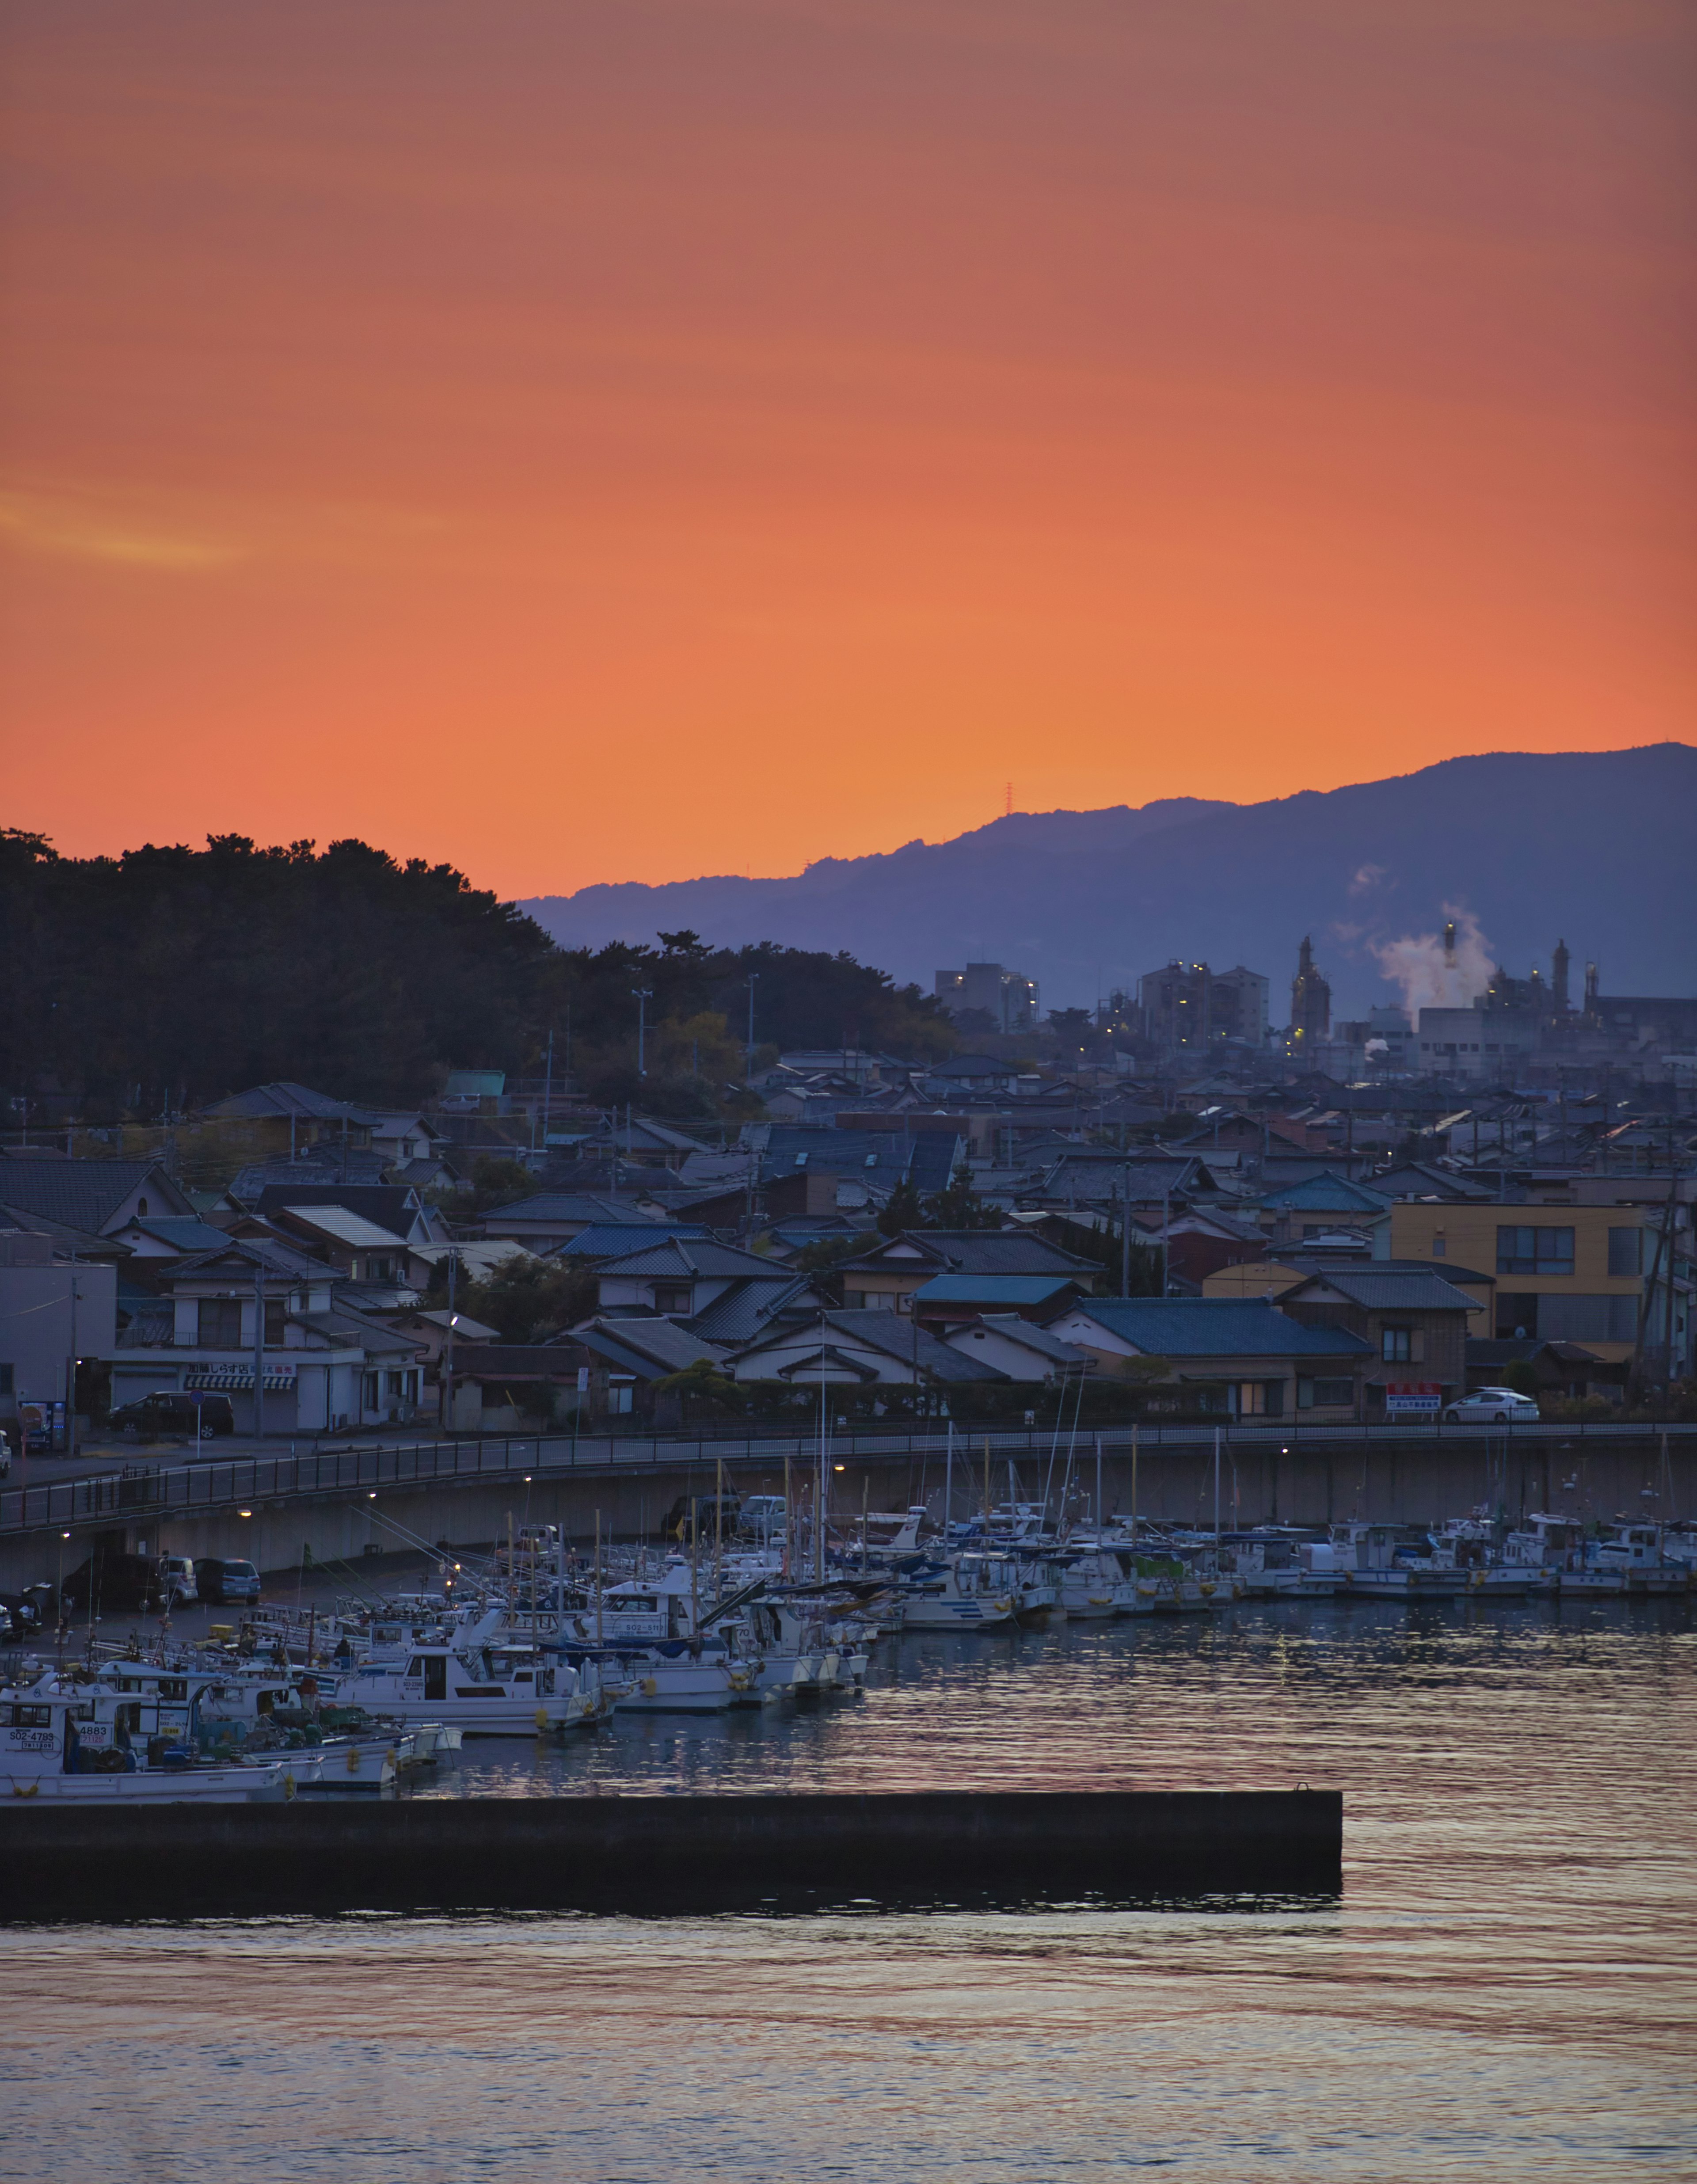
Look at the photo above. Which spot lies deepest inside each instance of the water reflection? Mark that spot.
(1504, 1992)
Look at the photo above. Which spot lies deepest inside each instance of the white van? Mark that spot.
(176, 1580)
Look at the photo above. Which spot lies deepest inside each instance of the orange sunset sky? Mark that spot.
(601, 439)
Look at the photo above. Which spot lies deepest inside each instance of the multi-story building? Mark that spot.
(1008, 998)
(1186, 1007)
(1565, 1274)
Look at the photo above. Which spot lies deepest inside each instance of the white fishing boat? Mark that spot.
(1098, 1583)
(66, 1747)
(959, 1593)
(1551, 1551)
(1394, 1561)
(1272, 1563)
(481, 1690)
(1635, 1553)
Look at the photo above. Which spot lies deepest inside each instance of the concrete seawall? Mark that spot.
(665, 1854)
(1264, 1481)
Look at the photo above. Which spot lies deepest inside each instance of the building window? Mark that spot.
(1259, 1399)
(618, 1399)
(1325, 1395)
(1440, 1247)
(1534, 1251)
(219, 1323)
(368, 1392)
(1516, 1315)
(670, 1297)
(410, 1386)
(1396, 1346)
(380, 1270)
(1626, 1252)
(276, 1317)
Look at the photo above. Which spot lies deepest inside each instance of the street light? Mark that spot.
(642, 995)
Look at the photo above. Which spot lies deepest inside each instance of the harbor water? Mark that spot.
(1504, 1989)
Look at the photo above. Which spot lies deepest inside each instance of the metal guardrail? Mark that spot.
(208, 1487)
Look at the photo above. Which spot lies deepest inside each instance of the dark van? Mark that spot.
(167, 1411)
(226, 1582)
(113, 1584)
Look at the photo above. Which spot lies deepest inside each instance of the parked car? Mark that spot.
(168, 1410)
(1504, 1407)
(114, 1584)
(177, 1580)
(5, 1455)
(226, 1582)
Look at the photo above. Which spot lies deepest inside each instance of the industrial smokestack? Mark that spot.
(1558, 982)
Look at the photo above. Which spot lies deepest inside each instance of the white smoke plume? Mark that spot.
(1432, 977)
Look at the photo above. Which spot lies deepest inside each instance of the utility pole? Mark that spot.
(259, 1345)
(644, 996)
(753, 977)
(70, 1370)
(448, 1347)
(1126, 1233)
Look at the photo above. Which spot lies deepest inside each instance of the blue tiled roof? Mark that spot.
(992, 1289)
(1328, 1193)
(1216, 1327)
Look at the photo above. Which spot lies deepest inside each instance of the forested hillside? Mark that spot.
(167, 977)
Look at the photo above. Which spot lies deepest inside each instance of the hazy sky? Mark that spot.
(592, 439)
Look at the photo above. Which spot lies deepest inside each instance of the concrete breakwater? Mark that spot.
(665, 1854)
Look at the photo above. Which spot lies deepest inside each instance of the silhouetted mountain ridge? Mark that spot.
(1594, 847)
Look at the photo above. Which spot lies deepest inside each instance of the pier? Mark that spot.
(667, 1854)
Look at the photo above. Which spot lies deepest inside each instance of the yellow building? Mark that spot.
(1564, 1273)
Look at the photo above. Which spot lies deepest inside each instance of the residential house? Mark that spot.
(1323, 1203)
(679, 1279)
(1414, 1322)
(856, 1349)
(324, 1366)
(1274, 1276)
(98, 1196)
(1019, 1349)
(1242, 1358)
(884, 1277)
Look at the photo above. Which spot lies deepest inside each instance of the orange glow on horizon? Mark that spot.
(590, 442)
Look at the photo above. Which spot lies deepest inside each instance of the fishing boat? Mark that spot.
(483, 1690)
(69, 1747)
(1276, 1563)
(1394, 1561)
(959, 1593)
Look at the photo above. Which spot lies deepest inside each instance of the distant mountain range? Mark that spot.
(1597, 848)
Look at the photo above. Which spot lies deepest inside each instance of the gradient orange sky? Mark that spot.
(600, 439)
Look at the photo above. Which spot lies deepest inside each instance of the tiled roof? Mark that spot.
(651, 1347)
(286, 1099)
(1328, 1193)
(86, 1194)
(685, 1260)
(1379, 1290)
(740, 1313)
(897, 1337)
(1215, 1327)
(992, 1289)
(1027, 1334)
(612, 1240)
(972, 1251)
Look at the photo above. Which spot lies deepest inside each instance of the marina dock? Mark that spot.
(667, 1854)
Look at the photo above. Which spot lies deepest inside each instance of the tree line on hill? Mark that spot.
(155, 981)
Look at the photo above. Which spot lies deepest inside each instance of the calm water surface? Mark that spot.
(1504, 1990)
